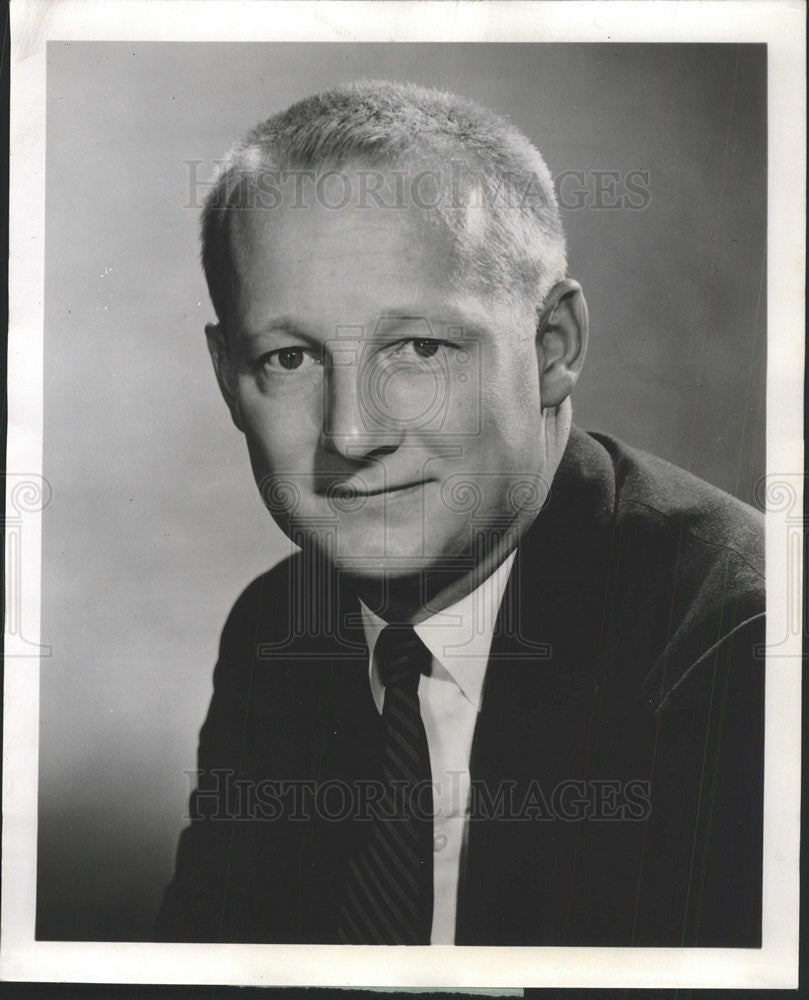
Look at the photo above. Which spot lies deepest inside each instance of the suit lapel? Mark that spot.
(532, 730)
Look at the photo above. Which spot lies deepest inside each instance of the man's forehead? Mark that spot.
(354, 238)
(308, 245)
(278, 229)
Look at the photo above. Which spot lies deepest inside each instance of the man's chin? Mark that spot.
(403, 563)
(381, 567)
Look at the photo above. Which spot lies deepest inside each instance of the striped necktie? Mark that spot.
(388, 893)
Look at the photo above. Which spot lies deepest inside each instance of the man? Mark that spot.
(508, 691)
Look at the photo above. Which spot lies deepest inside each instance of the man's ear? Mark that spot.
(561, 341)
(225, 376)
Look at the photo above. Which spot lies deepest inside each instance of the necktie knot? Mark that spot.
(401, 657)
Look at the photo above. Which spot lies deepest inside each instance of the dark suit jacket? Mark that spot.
(617, 760)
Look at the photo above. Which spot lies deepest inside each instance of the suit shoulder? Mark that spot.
(711, 527)
(690, 564)
(263, 604)
(678, 565)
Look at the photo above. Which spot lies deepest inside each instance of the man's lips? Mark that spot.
(349, 491)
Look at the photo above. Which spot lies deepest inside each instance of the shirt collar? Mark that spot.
(459, 637)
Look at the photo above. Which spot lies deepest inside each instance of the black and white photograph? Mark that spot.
(404, 494)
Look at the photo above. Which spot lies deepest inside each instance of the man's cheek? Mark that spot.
(274, 431)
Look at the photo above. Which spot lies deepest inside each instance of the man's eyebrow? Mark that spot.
(282, 324)
(409, 313)
(387, 322)
(440, 320)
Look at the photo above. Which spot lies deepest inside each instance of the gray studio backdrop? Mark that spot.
(155, 525)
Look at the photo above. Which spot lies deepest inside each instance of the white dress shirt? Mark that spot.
(459, 638)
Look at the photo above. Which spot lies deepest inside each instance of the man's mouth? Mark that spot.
(348, 492)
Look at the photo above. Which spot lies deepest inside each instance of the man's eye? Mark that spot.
(426, 348)
(290, 359)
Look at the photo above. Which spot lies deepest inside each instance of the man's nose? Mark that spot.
(353, 426)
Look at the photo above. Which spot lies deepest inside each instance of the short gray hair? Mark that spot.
(518, 249)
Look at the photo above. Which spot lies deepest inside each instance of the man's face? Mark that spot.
(392, 417)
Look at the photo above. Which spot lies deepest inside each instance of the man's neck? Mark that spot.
(412, 599)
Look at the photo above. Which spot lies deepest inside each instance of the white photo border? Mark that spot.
(779, 24)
